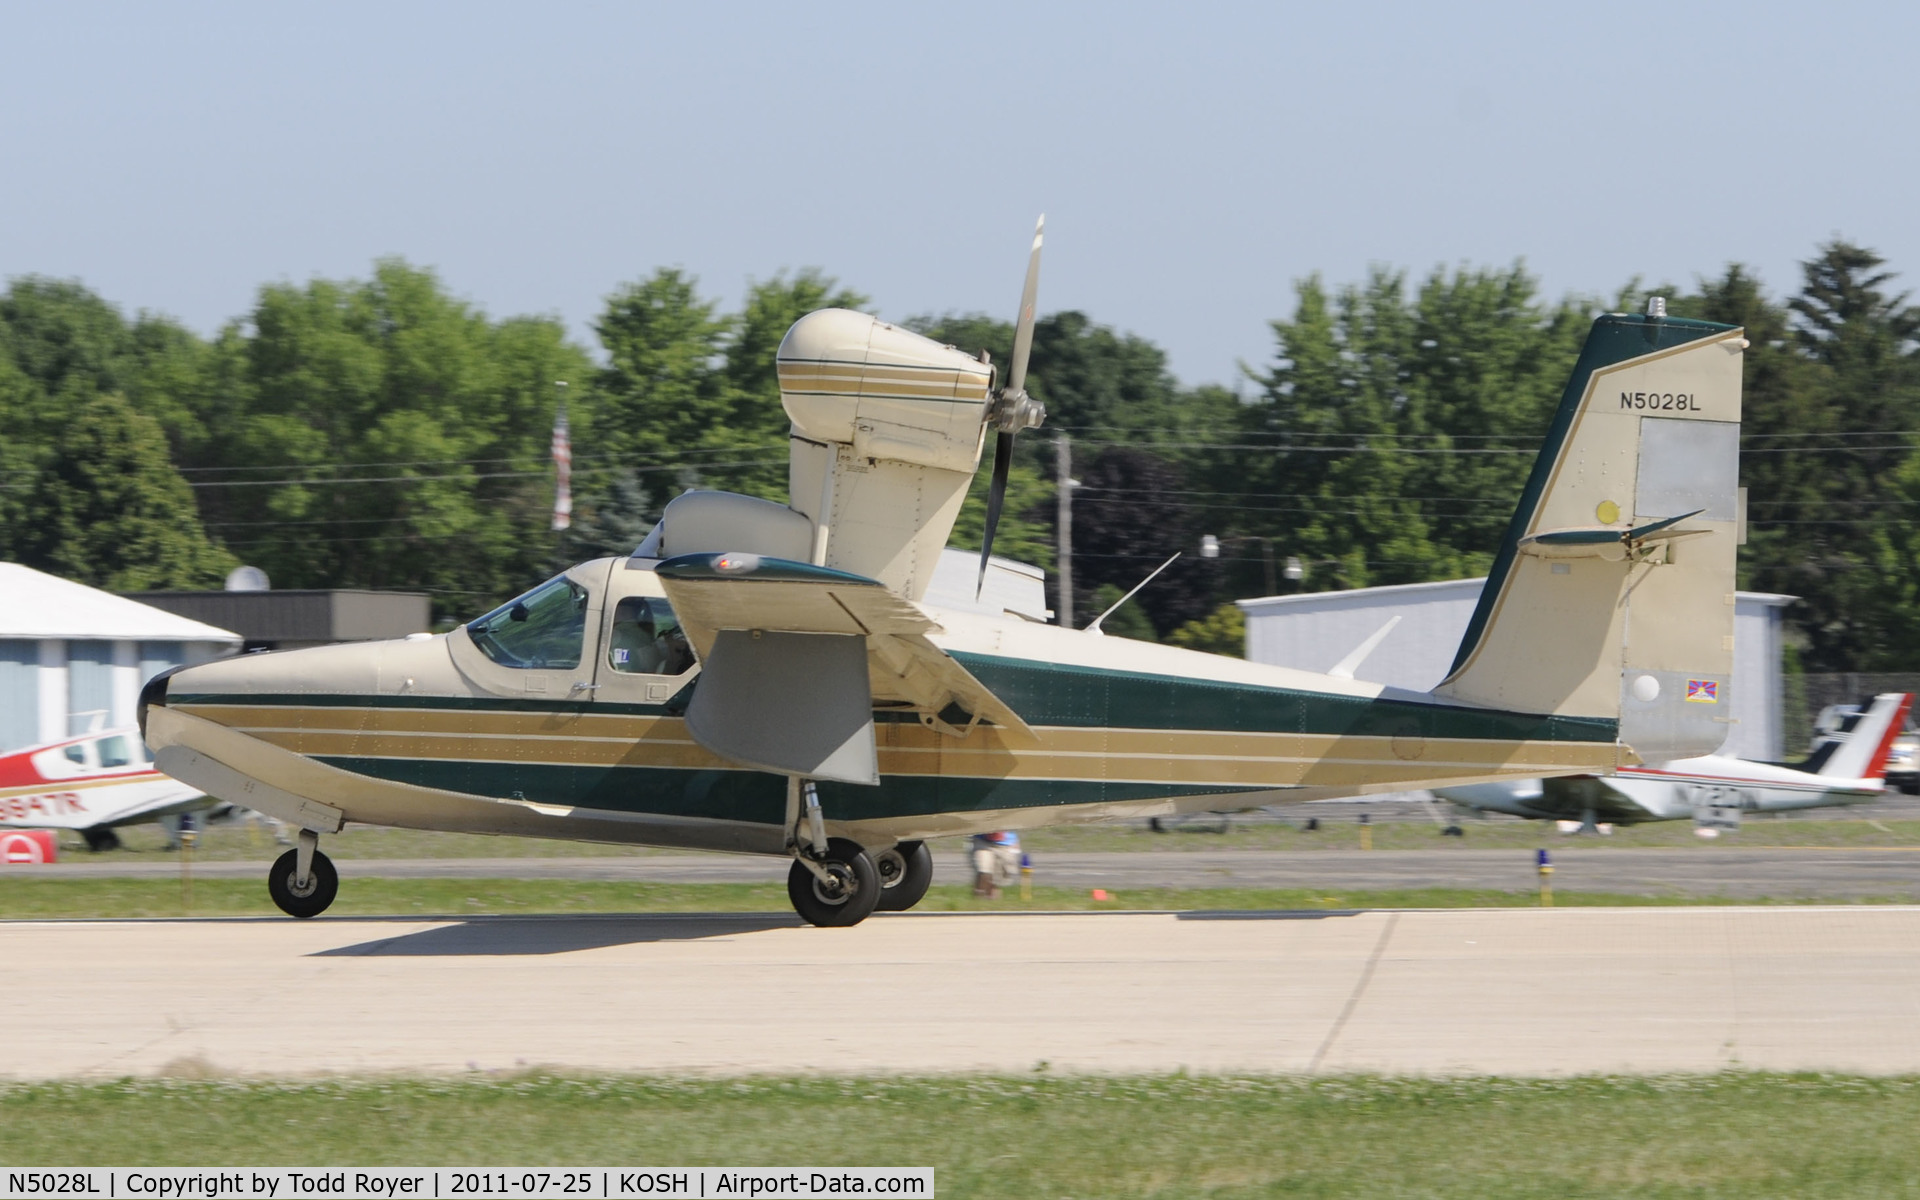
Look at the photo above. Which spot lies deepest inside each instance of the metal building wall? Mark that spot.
(1318, 629)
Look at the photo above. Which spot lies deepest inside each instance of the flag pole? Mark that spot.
(562, 461)
(562, 451)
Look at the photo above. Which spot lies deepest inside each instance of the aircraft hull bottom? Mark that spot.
(322, 793)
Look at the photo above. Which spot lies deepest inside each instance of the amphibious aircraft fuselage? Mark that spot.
(773, 678)
(435, 733)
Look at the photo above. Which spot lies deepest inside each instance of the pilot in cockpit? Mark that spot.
(643, 644)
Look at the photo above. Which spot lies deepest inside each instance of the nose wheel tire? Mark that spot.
(323, 884)
(905, 873)
(846, 896)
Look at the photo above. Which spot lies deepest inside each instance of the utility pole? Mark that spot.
(1063, 501)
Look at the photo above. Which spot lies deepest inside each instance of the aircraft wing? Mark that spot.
(795, 658)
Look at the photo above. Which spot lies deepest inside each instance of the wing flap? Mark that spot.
(715, 592)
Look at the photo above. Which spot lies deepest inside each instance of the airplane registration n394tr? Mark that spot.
(766, 678)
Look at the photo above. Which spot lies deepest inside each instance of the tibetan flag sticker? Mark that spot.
(1702, 691)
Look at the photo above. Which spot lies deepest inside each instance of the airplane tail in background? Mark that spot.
(1612, 593)
(1863, 753)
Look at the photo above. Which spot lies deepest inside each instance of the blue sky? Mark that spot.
(1193, 160)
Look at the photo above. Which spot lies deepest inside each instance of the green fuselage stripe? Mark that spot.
(1102, 697)
(745, 795)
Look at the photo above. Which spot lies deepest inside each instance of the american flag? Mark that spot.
(562, 470)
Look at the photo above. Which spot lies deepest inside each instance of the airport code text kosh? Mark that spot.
(395, 1183)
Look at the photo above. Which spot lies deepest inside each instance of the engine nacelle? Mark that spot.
(887, 430)
(852, 379)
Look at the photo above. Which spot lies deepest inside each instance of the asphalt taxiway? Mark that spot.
(1721, 872)
(1462, 991)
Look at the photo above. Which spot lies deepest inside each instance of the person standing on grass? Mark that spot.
(996, 862)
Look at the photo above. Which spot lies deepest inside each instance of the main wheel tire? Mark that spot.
(99, 840)
(323, 884)
(849, 899)
(906, 871)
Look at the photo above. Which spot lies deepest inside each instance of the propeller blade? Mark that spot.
(1023, 328)
(996, 497)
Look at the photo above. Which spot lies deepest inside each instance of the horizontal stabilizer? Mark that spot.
(715, 592)
(1602, 541)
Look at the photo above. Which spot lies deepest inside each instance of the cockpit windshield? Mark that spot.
(543, 629)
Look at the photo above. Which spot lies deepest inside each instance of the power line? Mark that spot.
(464, 475)
(461, 462)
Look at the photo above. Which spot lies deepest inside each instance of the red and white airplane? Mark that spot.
(92, 783)
(1713, 789)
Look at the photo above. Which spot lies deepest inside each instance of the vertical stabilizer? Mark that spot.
(1612, 593)
(1863, 755)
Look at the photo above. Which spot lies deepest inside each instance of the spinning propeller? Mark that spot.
(1011, 409)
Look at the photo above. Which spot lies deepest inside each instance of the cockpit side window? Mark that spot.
(543, 629)
(114, 752)
(647, 639)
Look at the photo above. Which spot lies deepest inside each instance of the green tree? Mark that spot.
(57, 333)
(1392, 435)
(1023, 538)
(384, 434)
(1222, 631)
(666, 410)
(615, 521)
(1127, 621)
(74, 375)
(1104, 390)
(753, 385)
(1831, 389)
(1129, 517)
(1101, 387)
(109, 509)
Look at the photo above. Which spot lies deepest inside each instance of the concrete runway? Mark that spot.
(1718, 871)
(1466, 991)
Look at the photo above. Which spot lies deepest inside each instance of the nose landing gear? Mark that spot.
(303, 882)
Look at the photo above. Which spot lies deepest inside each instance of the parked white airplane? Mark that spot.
(1713, 789)
(92, 783)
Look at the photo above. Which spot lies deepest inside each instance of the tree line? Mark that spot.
(382, 433)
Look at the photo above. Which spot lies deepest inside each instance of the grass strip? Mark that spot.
(1705, 1136)
(22, 898)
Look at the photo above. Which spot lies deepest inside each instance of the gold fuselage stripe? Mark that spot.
(84, 783)
(1176, 757)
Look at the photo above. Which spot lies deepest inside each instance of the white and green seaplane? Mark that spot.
(773, 679)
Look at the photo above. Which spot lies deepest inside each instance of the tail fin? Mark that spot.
(1863, 755)
(1612, 593)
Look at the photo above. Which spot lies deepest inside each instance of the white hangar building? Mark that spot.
(1315, 630)
(71, 654)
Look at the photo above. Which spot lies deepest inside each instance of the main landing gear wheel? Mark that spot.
(323, 884)
(99, 840)
(846, 896)
(905, 873)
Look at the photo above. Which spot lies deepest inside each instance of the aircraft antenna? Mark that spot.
(1095, 627)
